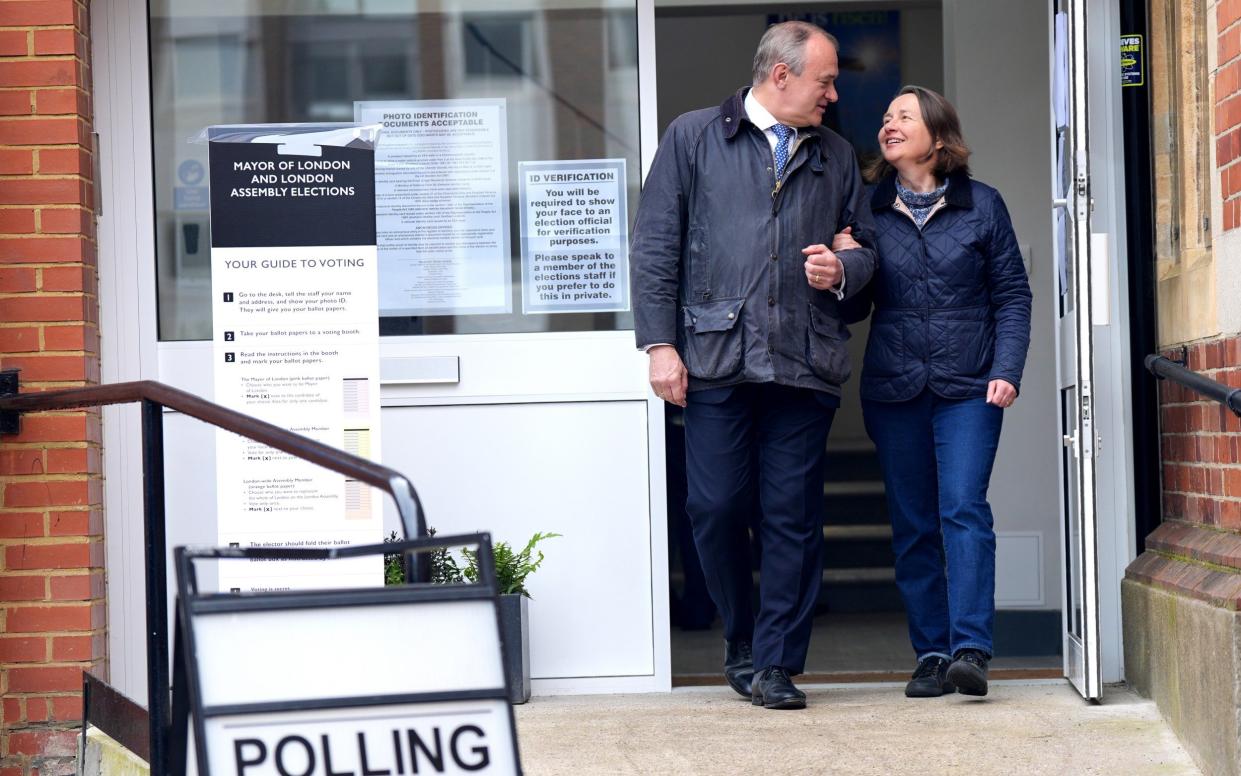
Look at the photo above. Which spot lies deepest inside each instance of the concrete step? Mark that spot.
(860, 504)
(858, 553)
(847, 465)
(858, 575)
(858, 533)
(854, 488)
(847, 576)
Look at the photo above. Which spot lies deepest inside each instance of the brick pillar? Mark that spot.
(1181, 598)
(51, 568)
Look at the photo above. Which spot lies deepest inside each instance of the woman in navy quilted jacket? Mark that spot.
(947, 347)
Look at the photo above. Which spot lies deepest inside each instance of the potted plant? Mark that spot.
(512, 569)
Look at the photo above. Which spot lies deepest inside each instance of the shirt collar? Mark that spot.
(757, 114)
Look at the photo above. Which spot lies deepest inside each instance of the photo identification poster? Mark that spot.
(441, 198)
(296, 343)
(574, 236)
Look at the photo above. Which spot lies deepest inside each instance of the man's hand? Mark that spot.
(843, 241)
(823, 269)
(669, 379)
(1001, 393)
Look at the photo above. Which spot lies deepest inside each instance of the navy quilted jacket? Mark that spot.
(952, 302)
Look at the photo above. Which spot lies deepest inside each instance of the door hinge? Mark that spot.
(1087, 422)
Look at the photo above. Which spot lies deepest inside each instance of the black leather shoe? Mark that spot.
(739, 666)
(773, 689)
(930, 679)
(969, 671)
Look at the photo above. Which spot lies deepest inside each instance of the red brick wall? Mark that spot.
(1197, 550)
(51, 552)
(1228, 109)
(1201, 441)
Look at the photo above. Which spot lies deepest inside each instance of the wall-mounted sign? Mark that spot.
(294, 288)
(574, 236)
(190, 193)
(442, 201)
(1132, 61)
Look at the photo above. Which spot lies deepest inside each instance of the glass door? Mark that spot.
(515, 134)
(1075, 368)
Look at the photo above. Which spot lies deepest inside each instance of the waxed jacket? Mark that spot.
(716, 258)
(951, 301)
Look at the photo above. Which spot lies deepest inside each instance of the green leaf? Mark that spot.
(512, 568)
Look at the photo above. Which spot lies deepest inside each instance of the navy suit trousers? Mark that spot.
(760, 447)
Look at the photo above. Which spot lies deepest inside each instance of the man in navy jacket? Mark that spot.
(736, 301)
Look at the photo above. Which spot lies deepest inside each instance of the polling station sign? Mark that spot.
(462, 737)
(388, 681)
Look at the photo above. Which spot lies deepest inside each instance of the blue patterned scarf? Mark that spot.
(920, 203)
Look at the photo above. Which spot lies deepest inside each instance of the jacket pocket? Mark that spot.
(826, 352)
(974, 347)
(713, 346)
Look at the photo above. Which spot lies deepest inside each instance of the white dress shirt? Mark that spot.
(762, 118)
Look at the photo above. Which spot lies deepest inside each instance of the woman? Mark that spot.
(947, 347)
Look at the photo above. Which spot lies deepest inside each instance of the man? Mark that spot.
(735, 300)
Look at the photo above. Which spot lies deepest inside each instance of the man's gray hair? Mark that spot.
(786, 42)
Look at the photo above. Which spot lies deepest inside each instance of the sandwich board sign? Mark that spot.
(404, 679)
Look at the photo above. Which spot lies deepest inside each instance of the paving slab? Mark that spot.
(1019, 728)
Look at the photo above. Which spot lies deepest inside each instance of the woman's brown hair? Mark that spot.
(942, 122)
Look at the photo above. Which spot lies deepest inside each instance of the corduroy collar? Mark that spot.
(733, 111)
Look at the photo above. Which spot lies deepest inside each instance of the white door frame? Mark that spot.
(1117, 538)
(1102, 283)
(127, 314)
(130, 348)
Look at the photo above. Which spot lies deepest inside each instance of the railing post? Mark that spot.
(158, 699)
(10, 420)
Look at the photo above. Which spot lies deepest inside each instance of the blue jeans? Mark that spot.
(937, 456)
(760, 446)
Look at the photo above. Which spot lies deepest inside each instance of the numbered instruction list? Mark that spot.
(574, 236)
(296, 341)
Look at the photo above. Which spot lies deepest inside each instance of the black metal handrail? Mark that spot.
(1167, 369)
(154, 397)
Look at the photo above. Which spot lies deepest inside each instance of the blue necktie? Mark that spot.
(783, 135)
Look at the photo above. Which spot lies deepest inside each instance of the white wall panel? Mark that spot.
(575, 468)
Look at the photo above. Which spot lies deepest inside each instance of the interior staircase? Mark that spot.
(858, 571)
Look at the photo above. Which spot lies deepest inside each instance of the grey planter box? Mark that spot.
(515, 630)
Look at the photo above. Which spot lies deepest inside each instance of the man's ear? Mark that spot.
(780, 75)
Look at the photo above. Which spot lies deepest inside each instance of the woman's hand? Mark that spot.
(1001, 393)
(843, 241)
